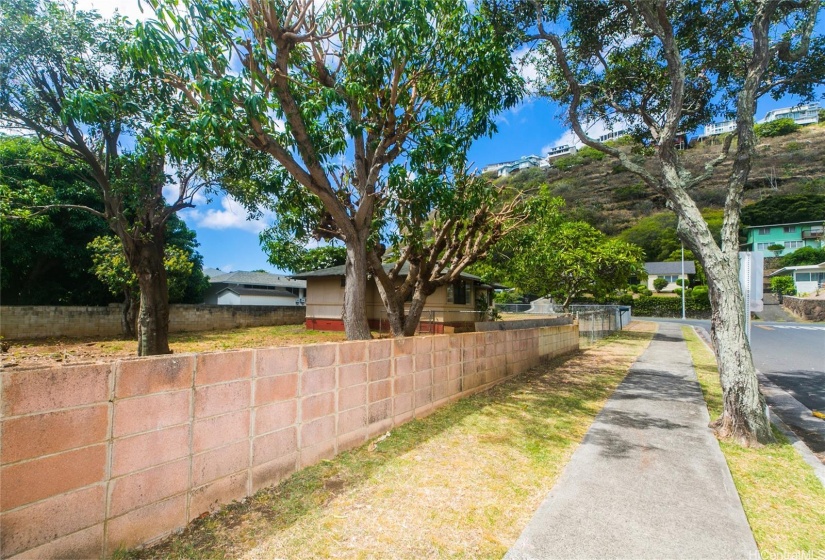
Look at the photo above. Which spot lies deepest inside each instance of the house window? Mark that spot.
(764, 230)
(671, 278)
(789, 229)
(457, 292)
(794, 244)
(803, 276)
(343, 281)
(763, 246)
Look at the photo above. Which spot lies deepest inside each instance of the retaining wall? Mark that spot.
(43, 321)
(808, 309)
(104, 456)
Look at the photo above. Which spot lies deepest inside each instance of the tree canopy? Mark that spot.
(553, 256)
(65, 77)
(785, 209)
(346, 97)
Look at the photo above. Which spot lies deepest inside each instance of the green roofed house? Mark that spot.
(451, 308)
(791, 236)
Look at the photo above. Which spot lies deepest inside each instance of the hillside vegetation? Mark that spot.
(600, 191)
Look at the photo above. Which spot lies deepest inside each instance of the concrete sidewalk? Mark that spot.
(649, 479)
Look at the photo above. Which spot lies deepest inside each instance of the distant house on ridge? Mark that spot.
(253, 288)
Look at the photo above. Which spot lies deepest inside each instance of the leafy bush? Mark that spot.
(779, 127)
(588, 152)
(677, 291)
(660, 284)
(634, 288)
(776, 248)
(635, 191)
(803, 256)
(671, 307)
(783, 285)
(793, 147)
(642, 288)
(647, 292)
(700, 293)
(508, 296)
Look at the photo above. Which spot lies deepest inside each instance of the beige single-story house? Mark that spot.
(670, 271)
(450, 307)
(807, 278)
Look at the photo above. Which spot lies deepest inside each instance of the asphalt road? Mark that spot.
(792, 355)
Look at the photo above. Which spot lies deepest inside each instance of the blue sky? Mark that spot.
(229, 241)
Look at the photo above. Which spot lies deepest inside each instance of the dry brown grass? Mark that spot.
(782, 498)
(52, 351)
(462, 482)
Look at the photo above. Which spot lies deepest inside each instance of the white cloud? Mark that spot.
(170, 194)
(526, 65)
(593, 130)
(128, 8)
(231, 215)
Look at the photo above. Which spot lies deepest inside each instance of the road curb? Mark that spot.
(800, 446)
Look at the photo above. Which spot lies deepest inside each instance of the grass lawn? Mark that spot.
(783, 499)
(462, 482)
(48, 352)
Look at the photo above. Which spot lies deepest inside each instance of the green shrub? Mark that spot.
(634, 288)
(700, 293)
(677, 291)
(783, 285)
(776, 248)
(671, 307)
(647, 292)
(635, 191)
(591, 153)
(660, 284)
(793, 147)
(779, 127)
(642, 288)
(803, 256)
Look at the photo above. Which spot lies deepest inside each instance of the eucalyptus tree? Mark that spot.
(664, 67)
(340, 94)
(63, 78)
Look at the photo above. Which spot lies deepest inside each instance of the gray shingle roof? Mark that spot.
(659, 268)
(259, 278)
(257, 292)
(339, 271)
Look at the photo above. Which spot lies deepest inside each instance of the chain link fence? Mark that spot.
(598, 321)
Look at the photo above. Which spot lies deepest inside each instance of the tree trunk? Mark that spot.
(743, 418)
(356, 323)
(153, 317)
(127, 321)
(416, 309)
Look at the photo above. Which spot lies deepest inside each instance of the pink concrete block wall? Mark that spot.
(105, 456)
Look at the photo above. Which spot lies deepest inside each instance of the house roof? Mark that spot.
(782, 271)
(339, 271)
(257, 292)
(212, 272)
(786, 224)
(675, 267)
(259, 278)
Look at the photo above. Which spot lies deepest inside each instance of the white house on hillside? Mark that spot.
(670, 271)
(254, 288)
(807, 278)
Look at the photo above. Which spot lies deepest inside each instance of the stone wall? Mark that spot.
(44, 321)
(105, 456)
(806, 308)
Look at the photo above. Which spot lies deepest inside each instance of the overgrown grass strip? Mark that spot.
(462, 482)
(782, 498)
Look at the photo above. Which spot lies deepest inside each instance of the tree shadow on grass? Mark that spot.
(520, 404)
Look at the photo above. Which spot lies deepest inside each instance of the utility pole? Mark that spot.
(684, 288)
